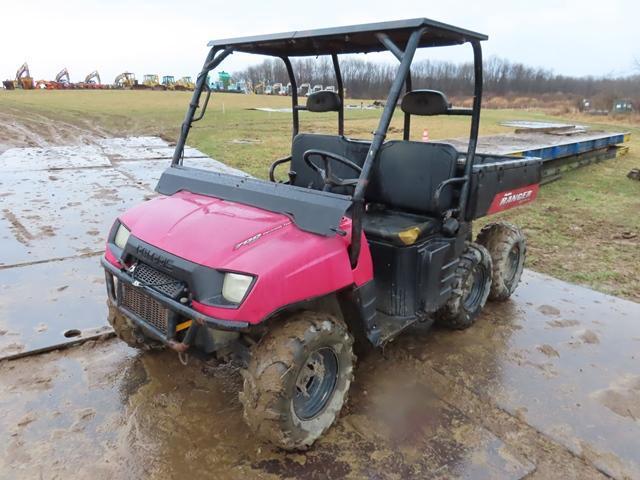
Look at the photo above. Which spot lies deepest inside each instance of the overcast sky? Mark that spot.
(586, 37)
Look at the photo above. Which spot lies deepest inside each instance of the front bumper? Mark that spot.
(198, 319)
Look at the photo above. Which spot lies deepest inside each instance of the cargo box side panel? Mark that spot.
(500, 183)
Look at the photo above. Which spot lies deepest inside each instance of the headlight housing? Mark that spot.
(235, 287)
(121, 237)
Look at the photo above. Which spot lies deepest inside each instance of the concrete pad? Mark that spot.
(40, 303)
(62, 213)
(52, 158)
(142, 148)
(147, 173)
(61, 201)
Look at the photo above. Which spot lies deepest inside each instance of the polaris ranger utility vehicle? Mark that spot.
(364, 239)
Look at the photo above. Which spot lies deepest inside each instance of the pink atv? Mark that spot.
(365, 238)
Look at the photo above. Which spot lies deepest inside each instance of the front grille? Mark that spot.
(150, 310)
(159, 281)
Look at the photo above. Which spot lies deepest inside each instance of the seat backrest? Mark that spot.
(354, 150)
(406, 175)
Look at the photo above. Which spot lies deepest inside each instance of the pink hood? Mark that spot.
(202, 229)
(291, 265)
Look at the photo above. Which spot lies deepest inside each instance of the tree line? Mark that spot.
(367, 79)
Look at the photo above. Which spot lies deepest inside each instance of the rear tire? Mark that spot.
(470, 289)
(128, 332)
(298, 379)
(508, 248)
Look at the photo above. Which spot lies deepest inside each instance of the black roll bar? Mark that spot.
(336, 68)
(475, 127)
(393, 48)
(378, 138)
(294, 97)
(210, 63)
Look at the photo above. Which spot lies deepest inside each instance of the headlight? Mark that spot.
(235, 286)
(122, 235)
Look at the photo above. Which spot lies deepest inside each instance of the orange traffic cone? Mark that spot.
(425, 135)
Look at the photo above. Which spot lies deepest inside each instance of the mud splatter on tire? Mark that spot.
(270, 380)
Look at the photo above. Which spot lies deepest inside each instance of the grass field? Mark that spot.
(585, 228)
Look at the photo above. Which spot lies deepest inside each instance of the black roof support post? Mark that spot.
(475, 126)
(210, 63)
(294, 96)
(336, 67)
(393, 48)
(378, 138)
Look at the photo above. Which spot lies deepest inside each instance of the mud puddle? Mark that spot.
(489, 402)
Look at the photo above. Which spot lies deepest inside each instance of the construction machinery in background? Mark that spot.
(91, 81)
(185, 83)
(224, 79)
(622, 106)
(61, 81)
(152, 82)
(126, 80)
(23, 79)
(258, 88)
(304, 90)
(169, 82)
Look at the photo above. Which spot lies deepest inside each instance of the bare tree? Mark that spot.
(365, 79)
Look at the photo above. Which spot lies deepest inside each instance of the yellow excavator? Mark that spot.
(23, 79)
(125, 80)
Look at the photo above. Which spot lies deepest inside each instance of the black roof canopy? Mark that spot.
(349, 39)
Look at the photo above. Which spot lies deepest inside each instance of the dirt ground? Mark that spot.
(532, 391)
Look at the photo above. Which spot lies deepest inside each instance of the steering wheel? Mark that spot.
(326, 173)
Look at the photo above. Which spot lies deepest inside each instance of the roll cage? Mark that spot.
(401, 38)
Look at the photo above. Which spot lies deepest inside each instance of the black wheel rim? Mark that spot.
(315, 383)
(474, 286)
(513, 262)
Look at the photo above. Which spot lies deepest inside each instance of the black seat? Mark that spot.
(402, 188)
(398, 228)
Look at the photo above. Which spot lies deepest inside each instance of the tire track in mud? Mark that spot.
(19, 230)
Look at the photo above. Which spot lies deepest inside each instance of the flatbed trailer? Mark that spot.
(560, 149)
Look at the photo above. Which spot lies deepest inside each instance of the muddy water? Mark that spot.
(544, 386)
